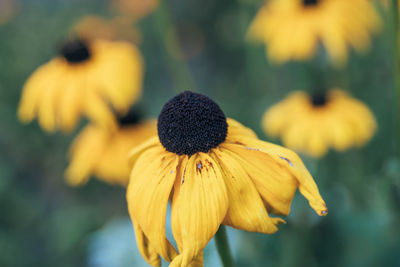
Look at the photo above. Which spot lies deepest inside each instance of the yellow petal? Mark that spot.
(137, 151)
(237, 129)
(273, 181)
(246, 209)
(290, 161)
(34, 87)
(199, 205)
(98, 111)
(144, 246)
(149, 188)
(117, 73)
(71, 102)
(85, 152)
(47, 113)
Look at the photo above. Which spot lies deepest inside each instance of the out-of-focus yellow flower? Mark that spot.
(89, 79)
(215, 171)
(104, 154)
(292, 29)
(135, 8)
(313, 124)
(8, 8)
(93, 27)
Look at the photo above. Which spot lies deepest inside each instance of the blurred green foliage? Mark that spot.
(44, 222)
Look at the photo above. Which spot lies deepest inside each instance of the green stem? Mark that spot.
(173, 54)
(221, 240)
(396, 44)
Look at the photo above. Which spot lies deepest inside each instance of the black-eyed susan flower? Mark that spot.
(313, 124)
(90, 79)
(293, 29)
(215, 171)
(104, 154)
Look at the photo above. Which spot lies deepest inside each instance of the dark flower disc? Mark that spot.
(319, 99)
(310, 2)
(131, 118)
(75, 51)
(191, 123)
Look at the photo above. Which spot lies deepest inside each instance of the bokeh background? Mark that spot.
(201, 46)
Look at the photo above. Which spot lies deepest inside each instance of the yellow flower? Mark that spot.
(97, 151)
(215, 171)
(292, 29)
(86, 79)
(313, 124)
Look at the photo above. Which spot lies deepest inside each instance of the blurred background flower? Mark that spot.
(294, 29)
(86, 79)
(104, 153)
(314, 123)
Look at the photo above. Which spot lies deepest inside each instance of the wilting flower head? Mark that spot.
(313, 124)
(215, 171)
(90, 79)
(293, 29)
(104, 154)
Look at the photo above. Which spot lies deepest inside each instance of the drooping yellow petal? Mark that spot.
(70, 104)
(150, 186)
(289, 161)
(273, 181)
(35, 86)
(199, 206)
(144, 246)
(246, 209)
(84, 155)
(97, 110)
(117, 73)
(47, 115)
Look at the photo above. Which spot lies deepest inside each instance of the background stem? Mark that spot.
(173, 54)
(221, 241)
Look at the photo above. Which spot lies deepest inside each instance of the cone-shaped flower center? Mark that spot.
(75, 51)
(308, 3)
(131, 118)
(191, 123)
(319, 99)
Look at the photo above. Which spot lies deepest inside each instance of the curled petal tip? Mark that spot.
(324, 212)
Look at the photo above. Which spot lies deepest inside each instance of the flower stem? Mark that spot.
(396, 44)
(174, 56)
(221, 240)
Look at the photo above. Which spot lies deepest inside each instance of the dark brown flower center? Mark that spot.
(75, 51)
(191, 123)
(309, 3)
(319, 99)
(132, 117)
